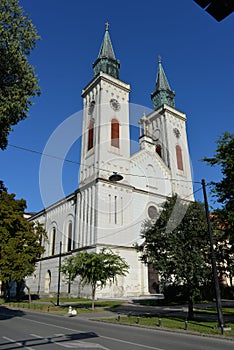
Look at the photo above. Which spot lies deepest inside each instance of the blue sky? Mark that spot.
(197, 55)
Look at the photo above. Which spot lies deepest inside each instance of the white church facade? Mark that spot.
(102, 213)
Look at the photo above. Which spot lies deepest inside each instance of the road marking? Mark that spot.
(142, 346)
(21, 344)
(75, 344)
(131, 343)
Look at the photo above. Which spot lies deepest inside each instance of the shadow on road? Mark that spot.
(6, 313)
(11, 344)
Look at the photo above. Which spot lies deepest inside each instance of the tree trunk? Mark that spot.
(190, 309)
(6, 291)
(29, 294)
(93, 296)
(20, 290)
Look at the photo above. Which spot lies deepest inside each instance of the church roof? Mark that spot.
(106, 61)
(161, 82)
(163, 93)
(106, 49)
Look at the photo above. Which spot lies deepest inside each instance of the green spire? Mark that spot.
(163, 93)
(106, 61)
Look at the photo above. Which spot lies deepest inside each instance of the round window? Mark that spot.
(152, 212)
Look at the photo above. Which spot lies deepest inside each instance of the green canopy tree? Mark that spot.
(179, 255)
(95, 269)
(20, 241)
(223, 192)
(18, 82)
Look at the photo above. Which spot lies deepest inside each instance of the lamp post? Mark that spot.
(213, 261)
(59, 267)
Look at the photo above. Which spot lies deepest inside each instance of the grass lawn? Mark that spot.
(205, 327)
(49, 305)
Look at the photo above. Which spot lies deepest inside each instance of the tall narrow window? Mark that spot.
(69, 238)
(158, 150)
(179, 158)
(109, 208)
(53, 238)
(122, 211)
(91, 134)
(115, 133)
(115, 210)
(47, 281)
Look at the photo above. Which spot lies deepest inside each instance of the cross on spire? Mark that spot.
(106, 61)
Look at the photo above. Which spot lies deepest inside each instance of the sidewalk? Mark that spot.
(141, 310)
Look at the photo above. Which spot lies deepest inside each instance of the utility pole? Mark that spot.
(59, 267)
(213, 261)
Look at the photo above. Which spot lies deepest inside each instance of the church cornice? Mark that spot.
(55, 205)
(166, 109)
(107, 78)
(130, 187)
(173, 111)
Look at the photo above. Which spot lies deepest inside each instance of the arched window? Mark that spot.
(53, 238)
(69, 237)
(47, 281)
(91, 134)
(179, 158)
(158, 150)
(115, 133)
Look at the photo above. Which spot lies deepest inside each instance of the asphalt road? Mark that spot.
(32, 331)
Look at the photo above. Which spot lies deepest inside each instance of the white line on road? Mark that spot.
(131, 343)
(36, 336)
(75, 344)
(18, 343)
(142, 346)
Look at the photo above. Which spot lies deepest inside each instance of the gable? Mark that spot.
(150, 173)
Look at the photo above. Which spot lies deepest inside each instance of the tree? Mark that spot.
(18, 82)
(179, 255)
(95, 269)
(2, 187)
(20, 241)
(223, 192)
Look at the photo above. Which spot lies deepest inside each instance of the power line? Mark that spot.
(97, 168)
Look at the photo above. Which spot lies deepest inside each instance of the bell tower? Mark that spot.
(105, 133)
(166, 127)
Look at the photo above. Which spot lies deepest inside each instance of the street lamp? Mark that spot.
(213, 261)
(115, 177)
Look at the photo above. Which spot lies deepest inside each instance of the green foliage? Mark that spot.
(95, 269)
(224, 157)
(181, 256)
(2, 188)
(18, 82)
(223, 191)
(20, 240)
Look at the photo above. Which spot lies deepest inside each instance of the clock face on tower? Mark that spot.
(115, 104)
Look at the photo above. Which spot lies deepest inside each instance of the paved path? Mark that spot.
(136, 309)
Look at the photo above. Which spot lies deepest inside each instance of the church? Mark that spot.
(103, 212)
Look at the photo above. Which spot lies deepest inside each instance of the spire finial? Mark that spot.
(159, 59)
(106, 61)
